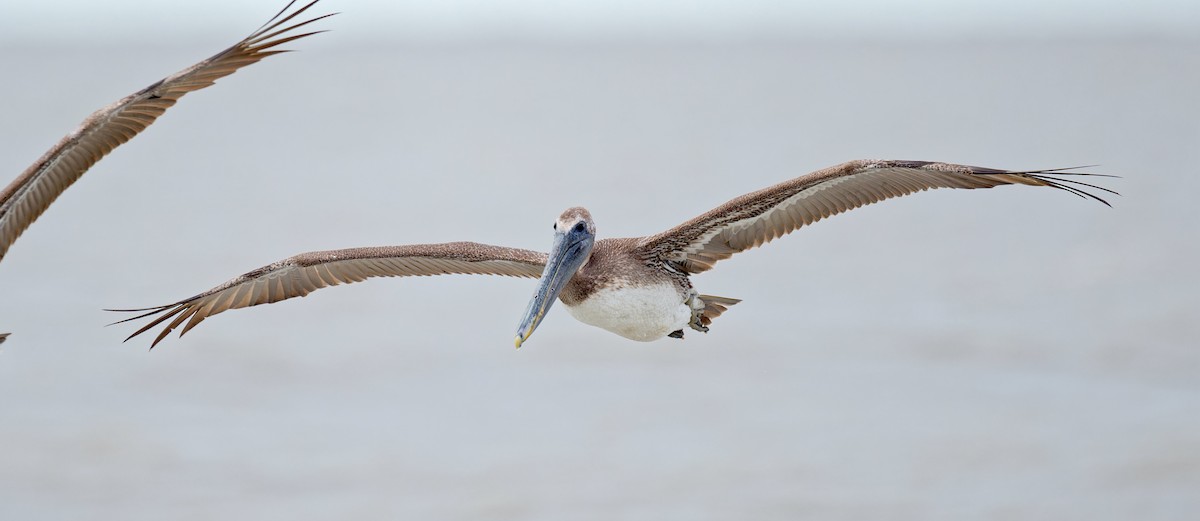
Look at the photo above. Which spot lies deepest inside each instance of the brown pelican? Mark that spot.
(635, 287)
(23, 200)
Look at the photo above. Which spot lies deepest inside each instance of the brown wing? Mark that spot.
(759, 217)
(3, 337)
(23, 200)
(300, 275)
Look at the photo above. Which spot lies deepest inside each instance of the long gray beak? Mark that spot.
(569, 251)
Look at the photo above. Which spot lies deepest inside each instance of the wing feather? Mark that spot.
(302, 274)
(31, 193)
(757, 218)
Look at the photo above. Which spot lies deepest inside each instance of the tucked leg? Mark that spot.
(697, 306)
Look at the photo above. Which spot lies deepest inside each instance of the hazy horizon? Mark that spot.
(131, 21)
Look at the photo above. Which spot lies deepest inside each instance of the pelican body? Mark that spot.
(610, 284)
(638, 288)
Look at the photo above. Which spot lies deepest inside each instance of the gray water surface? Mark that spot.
(1004, 354)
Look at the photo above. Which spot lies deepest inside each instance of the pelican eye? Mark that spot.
(580, 227)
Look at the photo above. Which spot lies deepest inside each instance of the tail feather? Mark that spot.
(714, 306)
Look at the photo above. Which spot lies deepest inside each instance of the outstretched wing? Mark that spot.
(759, 217)
(300, 275)
(23, 200)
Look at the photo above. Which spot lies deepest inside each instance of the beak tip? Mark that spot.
(517, 341)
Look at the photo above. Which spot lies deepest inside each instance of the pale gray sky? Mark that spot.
(146, 20)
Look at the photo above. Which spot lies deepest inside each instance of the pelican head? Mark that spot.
(574, 235)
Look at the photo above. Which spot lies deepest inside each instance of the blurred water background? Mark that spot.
(1002, 354)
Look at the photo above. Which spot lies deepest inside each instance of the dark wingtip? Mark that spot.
(1057, 178)
(1053, 179)
(148, 312)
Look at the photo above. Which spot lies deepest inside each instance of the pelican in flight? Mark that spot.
(638, 288)
(24, 200)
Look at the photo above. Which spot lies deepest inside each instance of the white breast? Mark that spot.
(641, 313)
